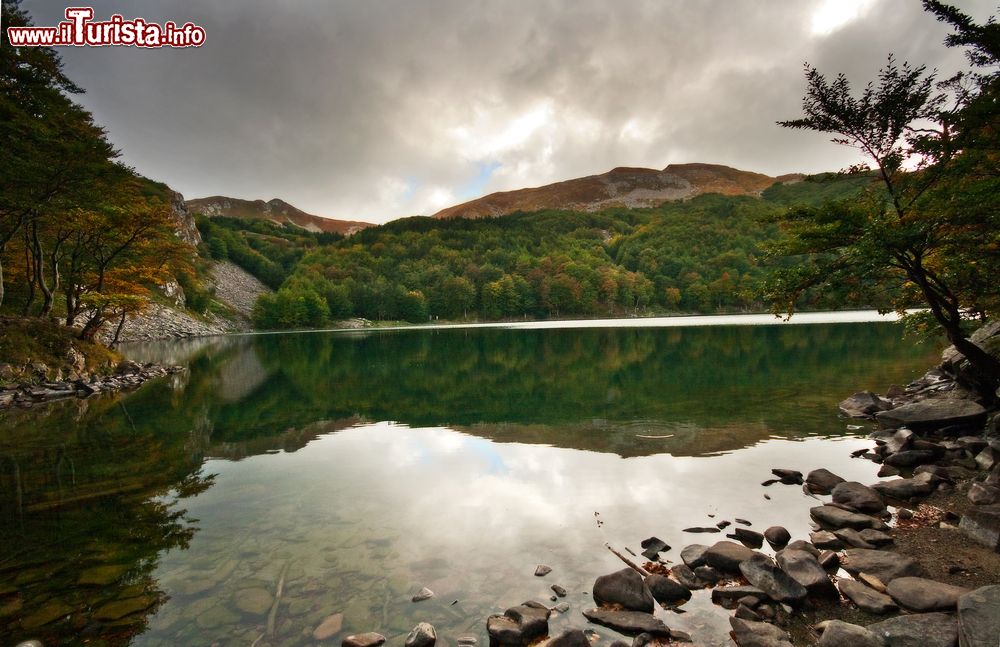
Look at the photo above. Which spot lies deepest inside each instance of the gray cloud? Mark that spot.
(378, 109)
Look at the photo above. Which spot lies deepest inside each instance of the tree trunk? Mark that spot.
(93, 325)
(985, 367)
(40, 271)
(118, 330)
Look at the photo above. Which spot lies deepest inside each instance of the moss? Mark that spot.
(27, 340)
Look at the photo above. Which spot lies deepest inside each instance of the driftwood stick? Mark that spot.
(627, 561)
(272, 616)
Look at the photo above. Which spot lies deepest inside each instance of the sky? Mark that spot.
(379, 109)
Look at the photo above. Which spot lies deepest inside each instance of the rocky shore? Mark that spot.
(128, 375)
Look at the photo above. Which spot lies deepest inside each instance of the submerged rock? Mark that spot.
(423, 594)
(542, 570)
(254, 601)
(330, 627)
(569, 638)
(423, 635)
(122, 608)
(369, 639)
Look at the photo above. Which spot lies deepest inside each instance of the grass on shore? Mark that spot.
(27, 340)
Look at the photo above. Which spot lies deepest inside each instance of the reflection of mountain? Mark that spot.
(638, 438)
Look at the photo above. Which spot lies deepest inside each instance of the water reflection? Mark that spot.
(502, 445)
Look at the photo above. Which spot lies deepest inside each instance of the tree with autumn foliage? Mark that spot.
(74, 223)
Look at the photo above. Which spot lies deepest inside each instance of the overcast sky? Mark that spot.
(377, 109)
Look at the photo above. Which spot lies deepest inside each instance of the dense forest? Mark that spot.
(700, 255)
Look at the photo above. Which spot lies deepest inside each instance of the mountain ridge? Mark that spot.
(275, 210)
(622, 186)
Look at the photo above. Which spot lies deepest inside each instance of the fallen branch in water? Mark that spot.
(273, 615)
(654, 437)
(627, 561)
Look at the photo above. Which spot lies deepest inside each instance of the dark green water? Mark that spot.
(364, 466)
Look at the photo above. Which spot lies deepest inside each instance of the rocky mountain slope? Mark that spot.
(275, 210)
(620, 187)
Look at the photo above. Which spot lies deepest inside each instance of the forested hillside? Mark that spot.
(698, 255)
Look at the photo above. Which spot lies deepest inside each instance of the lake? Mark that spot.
(358, 467)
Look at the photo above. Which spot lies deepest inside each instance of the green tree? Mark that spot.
(916, 236)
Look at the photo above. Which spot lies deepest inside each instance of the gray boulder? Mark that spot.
(843, 634)
(904, 489)
(694, 555)
(726, 556)
(865, 597)
(826, 540)
(763, 573)
(982, 494)
(884, 565)
(806, 570)
(518, 626)
(921, 594)
(860, 497)
(777, 537)
(918, 630)
(831, 516)
(822, 481)
(667, 591)
(626, 588)
(628, 622)
(747, 633)
(982, 523)
(909, 457)
(864, 404)
(979, 618)
(928, 415)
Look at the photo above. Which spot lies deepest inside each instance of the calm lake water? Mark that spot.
(358, 467)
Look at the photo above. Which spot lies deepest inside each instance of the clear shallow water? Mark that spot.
(364, 466)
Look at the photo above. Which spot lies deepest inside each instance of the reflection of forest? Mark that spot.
(715, 389)
(80, 524)
(775, 378)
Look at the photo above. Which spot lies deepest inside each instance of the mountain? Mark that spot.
(621, 187)
(275, 210)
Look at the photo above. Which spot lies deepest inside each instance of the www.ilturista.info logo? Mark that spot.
(80, 29)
